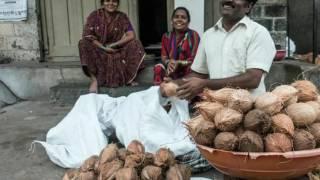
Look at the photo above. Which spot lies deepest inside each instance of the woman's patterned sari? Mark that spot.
(111, 70)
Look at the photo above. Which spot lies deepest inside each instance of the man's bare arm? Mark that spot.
(193, 85)
(248, 80)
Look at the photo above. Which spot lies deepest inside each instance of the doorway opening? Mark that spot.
(304, 27)
(153, 22)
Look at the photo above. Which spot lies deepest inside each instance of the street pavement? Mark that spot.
(27, 121)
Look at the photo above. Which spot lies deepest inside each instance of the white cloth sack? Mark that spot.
(82, 133)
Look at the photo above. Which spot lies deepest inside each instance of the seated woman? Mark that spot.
(109, 53)
(179, 48)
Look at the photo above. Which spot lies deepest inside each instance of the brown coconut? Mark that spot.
(123, 153)
(164, 158)
(169, 89)
(315, 131)
(293, 100)
(134, 161)
(222, 95)
(203, 132)
(257, 121)
(135, 147)
(240, 100)
(227, 141)
(127, 174)
(302, 114)
(269, 103)
(250, 141)
(303, 140)
(278, 142)
(307, 91)
(97, 167)
(239, 131)
(228, 119)
(89, 175)
(281, 123)
(151, 173)
(316, 107)
(148, 159)
(108, 170)
(207, 94)
(287, 94)
(89, 164)
(208, 109)
(71, 174)
(109, 154)
(178, 172)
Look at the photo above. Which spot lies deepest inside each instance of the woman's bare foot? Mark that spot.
(93, 87)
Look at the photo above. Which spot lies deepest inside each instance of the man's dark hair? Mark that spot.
(102, 1)
(253, 2)
(184, 9)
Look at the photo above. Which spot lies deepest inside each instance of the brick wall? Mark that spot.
(20, 40)
(273, 15)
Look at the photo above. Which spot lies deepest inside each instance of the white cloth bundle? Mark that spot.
(140, 116)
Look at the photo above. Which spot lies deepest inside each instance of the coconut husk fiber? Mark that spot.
(278, 142)
(127, 174)
(203, 132)
(250, 141)
(164, 158)
(152, 173)
(228, 119)
(303, 140)
(227, 141)
(282, 123)
(178, 172)
(257, 121)
(136, 147)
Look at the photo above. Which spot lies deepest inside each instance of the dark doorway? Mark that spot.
(301, 25)
(152, 20)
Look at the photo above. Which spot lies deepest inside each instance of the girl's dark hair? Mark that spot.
(102, 1)
(184, 9)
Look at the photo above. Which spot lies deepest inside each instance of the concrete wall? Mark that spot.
(273, 15)
(20, 40)
(196, 8)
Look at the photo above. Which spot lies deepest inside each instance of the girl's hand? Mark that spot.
(171, 66)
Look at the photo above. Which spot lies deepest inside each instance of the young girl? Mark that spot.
(179, 48)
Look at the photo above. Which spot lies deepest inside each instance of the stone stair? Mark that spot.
(68, 92)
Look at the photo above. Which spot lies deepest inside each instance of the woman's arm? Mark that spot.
(127, 37)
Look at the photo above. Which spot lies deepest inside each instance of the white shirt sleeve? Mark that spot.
(199, 64)
(261, 51)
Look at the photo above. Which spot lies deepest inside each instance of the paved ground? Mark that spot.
(20, 125)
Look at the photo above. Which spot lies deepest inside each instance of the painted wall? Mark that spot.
(20, 40)
(196, 8)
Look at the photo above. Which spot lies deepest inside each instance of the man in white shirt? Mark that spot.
(235, 52)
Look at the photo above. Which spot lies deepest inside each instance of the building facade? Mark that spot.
(54, 27)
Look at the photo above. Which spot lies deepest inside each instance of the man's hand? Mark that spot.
(191, 87)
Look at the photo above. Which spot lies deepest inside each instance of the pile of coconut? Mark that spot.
(132, 163)
(285, 119)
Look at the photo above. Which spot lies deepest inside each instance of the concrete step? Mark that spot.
(31, 80)
(68, 93)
